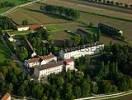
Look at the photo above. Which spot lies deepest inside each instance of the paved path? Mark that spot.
(104, 97)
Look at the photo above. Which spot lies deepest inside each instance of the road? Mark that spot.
(22, 5)
(104, 97)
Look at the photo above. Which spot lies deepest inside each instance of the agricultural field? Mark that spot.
(33, 15)
(56, 25)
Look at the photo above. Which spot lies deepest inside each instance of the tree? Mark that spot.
(0, 31)
(44, 97)
(21, 90)
(2, 78)
(9, 87)
(126, 5)
(37, 90)
(6, 23)
(24, 53)
(94, 87)
(64, 12)
(90, 24)
(25, 22)
(105, 86)
(130, 6)
(60, 81)
(124, 83)
(77, 91)
(85, 88)
(98, 34)
(76, 39)
(68, 92)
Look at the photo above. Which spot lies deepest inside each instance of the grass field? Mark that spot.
(56, 25)
(33, 15)
(56, 31)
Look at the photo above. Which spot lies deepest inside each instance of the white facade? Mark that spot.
(30, 63)
(45, 72)
(121, 32)
(23, 28)
(11, 39)
(81, 52)
(69, 65)
(54, 67)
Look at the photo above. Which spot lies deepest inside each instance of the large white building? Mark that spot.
(83, 50)
(23, 28)
(32, 27)
(39, 60)
(53, 67)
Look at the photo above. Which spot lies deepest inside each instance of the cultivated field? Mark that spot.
(91, 9)
(89, 14)
(33, 15)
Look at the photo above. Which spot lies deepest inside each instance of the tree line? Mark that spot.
(111, 31)
(7, 3)
(60, 11)
(6, 23)
(4, 4)
(111, 2)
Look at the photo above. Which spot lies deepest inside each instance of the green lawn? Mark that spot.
(54, 27)
(57, 31)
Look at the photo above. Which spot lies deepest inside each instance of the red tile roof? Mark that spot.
(67, 61)
(39, 58)
(34, 26)
(6, 96)
(51, 65)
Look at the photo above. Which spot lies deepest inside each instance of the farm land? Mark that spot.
(56, 25)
